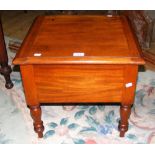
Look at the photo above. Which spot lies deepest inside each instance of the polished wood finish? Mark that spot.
(27, 73)
(72, 83)
(106, 73)
(130, 76)
(79, 34)
(5, 68)
(125, 111)
(38, 123)
(31, 98)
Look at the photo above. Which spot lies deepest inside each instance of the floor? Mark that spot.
(17, 23)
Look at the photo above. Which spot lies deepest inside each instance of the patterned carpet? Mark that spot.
(85, 124)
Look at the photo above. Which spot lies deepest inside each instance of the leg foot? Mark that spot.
(38, 123)
(6, 70)
(40, 135)
(123, 124)
(122, 129)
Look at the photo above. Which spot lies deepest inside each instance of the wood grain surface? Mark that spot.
(79, 83)
(102, 39)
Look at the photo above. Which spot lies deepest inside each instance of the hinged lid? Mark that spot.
(79, 39)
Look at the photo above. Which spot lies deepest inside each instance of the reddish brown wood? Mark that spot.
(5, 68)
(76, 83)
(38, 123)
(29, 84)
(130, 76)
(103, 40)
(107, 72)
(125, 111)
(31, 98)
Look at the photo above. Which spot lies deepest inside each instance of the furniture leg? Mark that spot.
(5, 68)
(125, 111)
(37, 122)
(5, 71)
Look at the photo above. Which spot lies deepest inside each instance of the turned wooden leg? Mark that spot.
(37, 122)
(5, 68)
(125, 111)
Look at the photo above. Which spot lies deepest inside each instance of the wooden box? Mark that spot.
(79, 59)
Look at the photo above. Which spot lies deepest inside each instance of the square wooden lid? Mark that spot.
(79, 39)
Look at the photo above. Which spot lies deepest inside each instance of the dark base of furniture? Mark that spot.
(5, 71)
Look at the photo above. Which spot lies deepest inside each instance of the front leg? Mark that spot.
(125, 111)
(130, 78)
(5, 69)
(37, 122)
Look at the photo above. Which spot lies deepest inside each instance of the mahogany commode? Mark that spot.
(79, 59)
